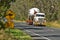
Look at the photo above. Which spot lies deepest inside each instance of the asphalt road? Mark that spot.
(39, 32)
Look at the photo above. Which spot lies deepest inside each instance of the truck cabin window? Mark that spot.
(38, 15)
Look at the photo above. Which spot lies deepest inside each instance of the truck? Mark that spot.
(35, 17)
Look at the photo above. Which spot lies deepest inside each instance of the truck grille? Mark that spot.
(41, 20)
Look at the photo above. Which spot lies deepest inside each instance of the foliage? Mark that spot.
(14, 34)
(4, 6)
(18, 34)
(4, 36)
(50, 7)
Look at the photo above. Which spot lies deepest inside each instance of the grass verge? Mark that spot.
(13, 34)
(54, 24)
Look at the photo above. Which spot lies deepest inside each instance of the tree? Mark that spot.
(50, 7)
(4, 6)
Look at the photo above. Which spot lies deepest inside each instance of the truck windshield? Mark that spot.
(40, 15)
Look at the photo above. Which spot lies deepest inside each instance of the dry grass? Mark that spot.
(13, 34)
(4, 36)
(53, 24)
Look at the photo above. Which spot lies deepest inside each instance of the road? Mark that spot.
(39, 32)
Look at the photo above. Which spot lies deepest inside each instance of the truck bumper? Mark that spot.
(38, 23)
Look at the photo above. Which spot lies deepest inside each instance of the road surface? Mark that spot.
(39, 32)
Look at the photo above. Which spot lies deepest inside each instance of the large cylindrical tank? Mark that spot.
(32, 10)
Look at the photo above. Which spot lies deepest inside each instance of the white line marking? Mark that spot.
(46, 38)
(37, 34)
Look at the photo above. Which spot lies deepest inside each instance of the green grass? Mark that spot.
(18, 34)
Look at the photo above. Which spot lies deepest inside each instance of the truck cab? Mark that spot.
(39, 19)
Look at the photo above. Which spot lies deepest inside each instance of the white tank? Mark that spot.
(32, 10)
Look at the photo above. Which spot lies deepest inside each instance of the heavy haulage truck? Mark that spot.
(35, 17)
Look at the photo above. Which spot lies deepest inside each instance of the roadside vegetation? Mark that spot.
(9, 34)
(50, 7)
(13, 34)
(53, 24)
